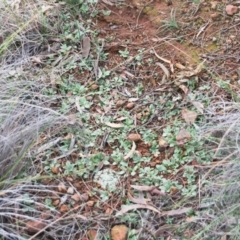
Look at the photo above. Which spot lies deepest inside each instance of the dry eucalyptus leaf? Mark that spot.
(190, 73)
(165, 70)
(176, 212)
(182, 137)
(189, 116)
(119, 232)
(129, 155)
(128, 208)
(138, 200)
(134, 137)
(184, 88)
(143, 188)
(86, 45)
(180, 66)
(161, 58)
(114, 125)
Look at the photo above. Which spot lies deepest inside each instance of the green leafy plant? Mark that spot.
(124, 53)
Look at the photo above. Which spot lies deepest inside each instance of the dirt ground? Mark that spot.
(181, 35)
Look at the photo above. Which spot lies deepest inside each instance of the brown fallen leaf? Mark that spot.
(35, 226)
(134, 137)
(128, 208)
(231, 9)
(182, 137)
(119, 232)
(156, 191)
(86, 45)
(189, 116)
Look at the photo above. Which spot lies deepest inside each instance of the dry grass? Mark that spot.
(26, 115)
(222, 190)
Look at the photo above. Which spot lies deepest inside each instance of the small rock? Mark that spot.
(55, 170)
(70, 190)
(134, 137)
(56, 202)
(90, 203)
(139, 116)
(94, 87)
(120, 103)
(214, 4)
(84, 197)
(69, 179)
(231, 9)
(182, 137)
(173, 190)
(130, 105)
(119, 232)
(62, 187)
(76, 197)
(162, 142)
(214, 16)
(64, 208)
(89, 98)
(214, 39)
(109, 211)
